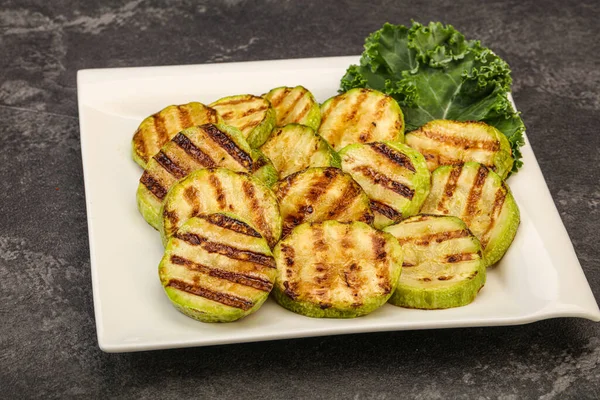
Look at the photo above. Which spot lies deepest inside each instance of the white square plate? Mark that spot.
(540, 276)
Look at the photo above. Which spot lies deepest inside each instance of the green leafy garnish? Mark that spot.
(434, 73)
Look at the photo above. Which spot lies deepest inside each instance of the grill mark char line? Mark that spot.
(231, 224)
(393, 155)
(225, 142)
(193, 151)
(449, 188)
(226, 250)
(260, 222)
(256, 282)
(438, 237)
(219, 297)
(153, 185)
(169, 165)
(385, 210)
(475, 193)
(382, 180)
(499, 199)
(459, 142)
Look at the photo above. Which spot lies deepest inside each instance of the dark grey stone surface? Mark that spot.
(48, 345)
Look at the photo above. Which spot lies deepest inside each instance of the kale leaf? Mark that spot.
(434, 73)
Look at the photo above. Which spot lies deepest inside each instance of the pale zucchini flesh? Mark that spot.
(217, 268)
(295, 147)
(361, 116)
(156, 130)
(320, 194)
(294, 105)
(394, 176)
(445, 142)
(481, 199)
(194, 148)
(214, 190)
(336, 270)
(252, 115)
(443, 266)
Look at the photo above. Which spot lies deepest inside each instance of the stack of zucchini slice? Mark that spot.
(329, 207)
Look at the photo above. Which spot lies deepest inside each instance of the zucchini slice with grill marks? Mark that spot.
(481, 199)
(252, 115)
(319, 194)
(394, 176)
(445, 142)
(195, 148)
(443, 266)
(213, 190)
(336, 270)
(295, 147)
(361, 116)
(156, 130)
(217, 268)
(294, 105)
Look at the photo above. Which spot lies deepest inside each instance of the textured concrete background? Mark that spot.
(48, 343)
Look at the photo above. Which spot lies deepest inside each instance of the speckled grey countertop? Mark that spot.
(48, 345)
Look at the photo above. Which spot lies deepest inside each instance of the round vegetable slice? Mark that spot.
(361, 116)
(295, 147)
(252, 115)
(217, 268)
(336, 270)
(443, 265)
(159, 128)
(214, 190)
(394, 176)
(294, 106)
(320, 194)
(445, 142)
(195, 148)
(480, 198)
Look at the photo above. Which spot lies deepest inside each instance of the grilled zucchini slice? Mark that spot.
(479, 197)
(194, 148)
(361, 116)
(319, 194)
(217, 268)
(252, 115)
(294, 106)
(336, 270)
(156, 130)
(295, 147)
(394, 176)
(443, 265)
(445, 142)
(213, 190)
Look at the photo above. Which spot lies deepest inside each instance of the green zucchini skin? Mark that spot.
(336, 270)
(320, 194)
(157, 129)
(394, 176)
(361, 116)
(195, 148)
(263, 168)
(294, 105)
(217, 268)
(252, 115)
(445, 142)
(443, 265)
(215, 190)
(295, 147)
(482, 199)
